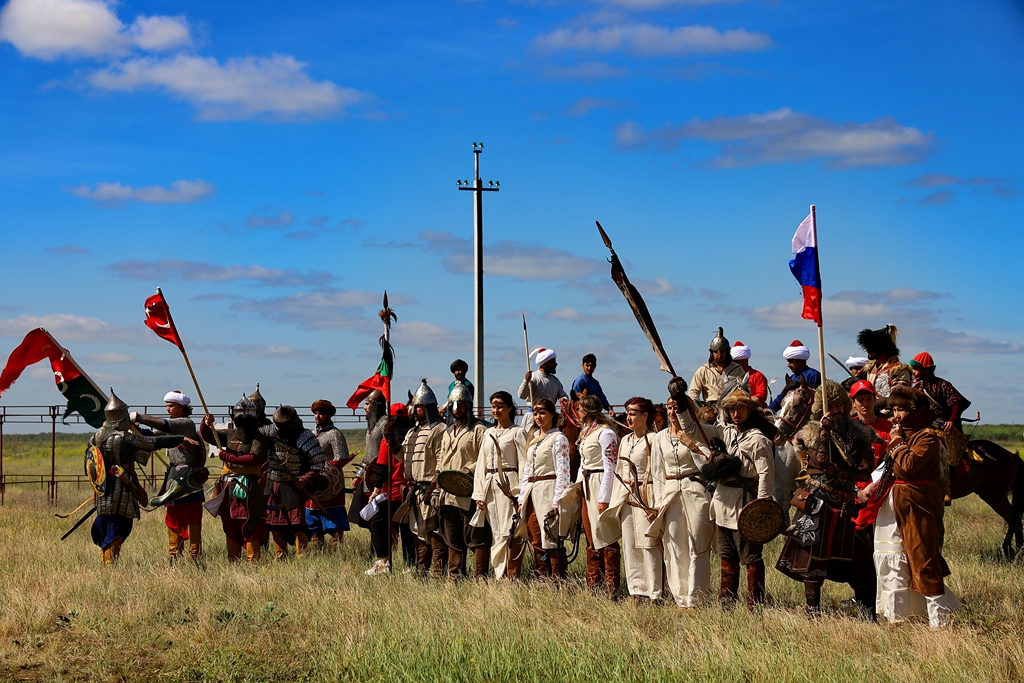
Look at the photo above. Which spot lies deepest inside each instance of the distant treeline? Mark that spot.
(1011, 433)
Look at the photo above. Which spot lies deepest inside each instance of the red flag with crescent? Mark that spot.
(158, 319)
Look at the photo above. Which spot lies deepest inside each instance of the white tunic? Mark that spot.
(547, 456)
(598, 448)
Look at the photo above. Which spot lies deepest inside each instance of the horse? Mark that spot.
(792, 417)
(997, 476)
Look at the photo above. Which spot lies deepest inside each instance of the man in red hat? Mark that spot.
(796, 355)
(863, 396)
(948, 404)
(758, 384)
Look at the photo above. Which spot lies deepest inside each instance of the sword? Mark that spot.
(79, 523)
(841, 364)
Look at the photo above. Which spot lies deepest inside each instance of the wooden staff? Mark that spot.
(821, 332)
(188, 364)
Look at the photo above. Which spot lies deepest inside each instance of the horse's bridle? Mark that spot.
(803, 418)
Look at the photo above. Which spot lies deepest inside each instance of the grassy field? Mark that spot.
(67, 618)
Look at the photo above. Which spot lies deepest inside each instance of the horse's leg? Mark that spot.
(996, 497)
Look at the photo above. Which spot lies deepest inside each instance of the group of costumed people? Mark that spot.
(653, 490)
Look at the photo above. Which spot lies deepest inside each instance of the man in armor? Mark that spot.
(884, 368)
(182, 490)
(707, 381)
(376, 408)
(294, 465)
(335, 448)
(824, 543)
(419, 454)
(242, 508)
(459, 448)
(118, 507)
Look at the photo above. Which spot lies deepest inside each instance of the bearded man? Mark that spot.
(294, 464)
(884, 369)
(118, 507)
(419, 455)
(707, 381)
(238, 496)
(459, 448)
(182, 490)
(825, 543)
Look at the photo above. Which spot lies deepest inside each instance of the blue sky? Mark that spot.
(274, 167)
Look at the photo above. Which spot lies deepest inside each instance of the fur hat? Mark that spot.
(907, 398)
(324, 405)
(836, 396)
(737, 399)
(881, 341)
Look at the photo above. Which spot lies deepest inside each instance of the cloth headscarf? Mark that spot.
(796, 351)
(740, 351)
(544, 355)
(177, 397)
(856, 362)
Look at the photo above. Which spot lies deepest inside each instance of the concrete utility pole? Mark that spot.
(477, 187)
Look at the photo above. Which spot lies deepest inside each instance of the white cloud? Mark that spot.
(509, 258)
(200, 271)
(585, 105)
(572, 315)
(49, 29)
(108, 358)
(274, 222)
(784, 136)
(322, 309)
(426, 336)
(660, 4)
(649, 40)
(67, 327)
(277, 87)
(585, 71)
(275, 351)
(115, 194)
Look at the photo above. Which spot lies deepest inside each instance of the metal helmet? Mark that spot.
(257, 399)
(424, 396)
(719, 343)
(285, 415)
(460, 394)
(252, 405)
(116, 409)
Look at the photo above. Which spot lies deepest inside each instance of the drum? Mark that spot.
(761, 520)
(456, 482)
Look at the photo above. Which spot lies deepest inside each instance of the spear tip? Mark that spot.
(604, 235)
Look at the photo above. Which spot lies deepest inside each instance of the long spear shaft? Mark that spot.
(526, 343)
(188, 364)
(821, 331)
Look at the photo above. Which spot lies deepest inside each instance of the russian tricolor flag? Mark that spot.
(805, 267)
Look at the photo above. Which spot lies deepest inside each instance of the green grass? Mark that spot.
(67, 618)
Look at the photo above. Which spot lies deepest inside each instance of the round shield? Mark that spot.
(95, 469)
(335, 479)
(761, 520)
(456, 482)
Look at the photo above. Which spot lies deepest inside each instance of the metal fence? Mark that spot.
(50, 416)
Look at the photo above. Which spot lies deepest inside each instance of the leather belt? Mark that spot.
(587, 473)
(678, 477)
(546, 477)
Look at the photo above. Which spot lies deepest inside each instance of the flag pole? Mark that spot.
(821, 331)
(188, 364)
(529, 368)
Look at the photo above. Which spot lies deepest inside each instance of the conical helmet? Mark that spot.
(719, 343)
(116, 409)
(424, 396)
(284, 415)
(460, 393)
(258, 401)
(375, 396)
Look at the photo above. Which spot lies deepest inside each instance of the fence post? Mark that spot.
(3, 483)
(53, 454)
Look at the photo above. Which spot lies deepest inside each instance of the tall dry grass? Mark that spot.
(66, 618)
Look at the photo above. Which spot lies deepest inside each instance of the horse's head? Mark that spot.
(795, 409)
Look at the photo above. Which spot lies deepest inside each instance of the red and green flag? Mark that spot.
(382, 378)
(82, 394)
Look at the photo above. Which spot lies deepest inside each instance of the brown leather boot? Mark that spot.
(812, 597)
(174, 544)
(280, 544)
(481, 562)
(439, 556)
(456, 563)
(612, 570)
(195, 541)
(595, 568)
(301, 543)
(252, 551)
(755, 584)
(115, 550)
(234, 549)
(516, 553)
(559, 563)
(424, 554)
(730, 586)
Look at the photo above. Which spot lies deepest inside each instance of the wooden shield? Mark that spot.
(761, 520)
(335, 478)
(96, 469)
(456, 482)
